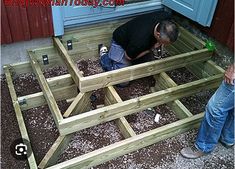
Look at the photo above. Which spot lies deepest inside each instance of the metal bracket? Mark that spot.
(45, 59)
(22, 102)
(69, 44)
(12, 71)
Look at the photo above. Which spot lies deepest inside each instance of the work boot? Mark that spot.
(191, 152)
(226, 145)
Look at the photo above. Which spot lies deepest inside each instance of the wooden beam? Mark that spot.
(92, 30)
(125, 127)
(56, 149)
(72, 68)
(211, 68)
(129, 145)
(172, 50)
(201, 69)
(62, 87)
(131, 106)
(142, 70)
(92, 44)
(23, 131)
(163, 81)
(45, 89)
(187, 36)
(89, 50)
(38, 99)
(181, 46)
(112, 97)
(205, 69)
(79, 104)
(60, 81)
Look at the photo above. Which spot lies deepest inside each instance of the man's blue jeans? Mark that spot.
(218, 122)
(115, 58)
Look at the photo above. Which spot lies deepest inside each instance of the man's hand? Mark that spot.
(229, 75)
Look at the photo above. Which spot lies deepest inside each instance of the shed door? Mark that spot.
(82, 14)
(201, 11)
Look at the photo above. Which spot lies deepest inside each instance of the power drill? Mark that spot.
(157, 52)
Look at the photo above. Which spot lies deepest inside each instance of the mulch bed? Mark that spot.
(43, 133)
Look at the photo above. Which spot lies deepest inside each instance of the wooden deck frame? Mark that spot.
(23, 131)
(197, 62)
(131, 144)
(46, 89)
(112, 97)
(132, 72)
(108, 113)
(163, 81)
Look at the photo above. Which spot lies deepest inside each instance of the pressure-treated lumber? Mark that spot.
(131, 106)
(79, 104)
(172, 50)
(163, 81)
(56, 149)
(128, 145)
(65, 80)
(54, 59)
(90, 48)
(142, 70)
(181, 46)
(72, 68)
(205, 69)
(88, 29)
(38, 99)
(202, 69)
(60, 81)
(211, 68)
(62, 142)
(19, 117)
(62, 87)
(46, 89)
(112, 97)
(187, 36)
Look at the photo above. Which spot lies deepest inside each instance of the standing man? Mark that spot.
(218, 122)
(136, 38)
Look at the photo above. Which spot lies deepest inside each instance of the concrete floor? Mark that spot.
(16, 52)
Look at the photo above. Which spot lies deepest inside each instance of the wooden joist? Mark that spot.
(131, 106)
(131, 144)
(38, 99)
(142, 70)
(62, 87)
(163, 81)
(54, 152)
(187, 36)
(23, 131)
(187, 52)
(45, 89)
(72, 68)
(112, 97)
(79, 104)
(205, 69)
(63, 141)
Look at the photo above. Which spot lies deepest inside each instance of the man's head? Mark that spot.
(166, 32)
